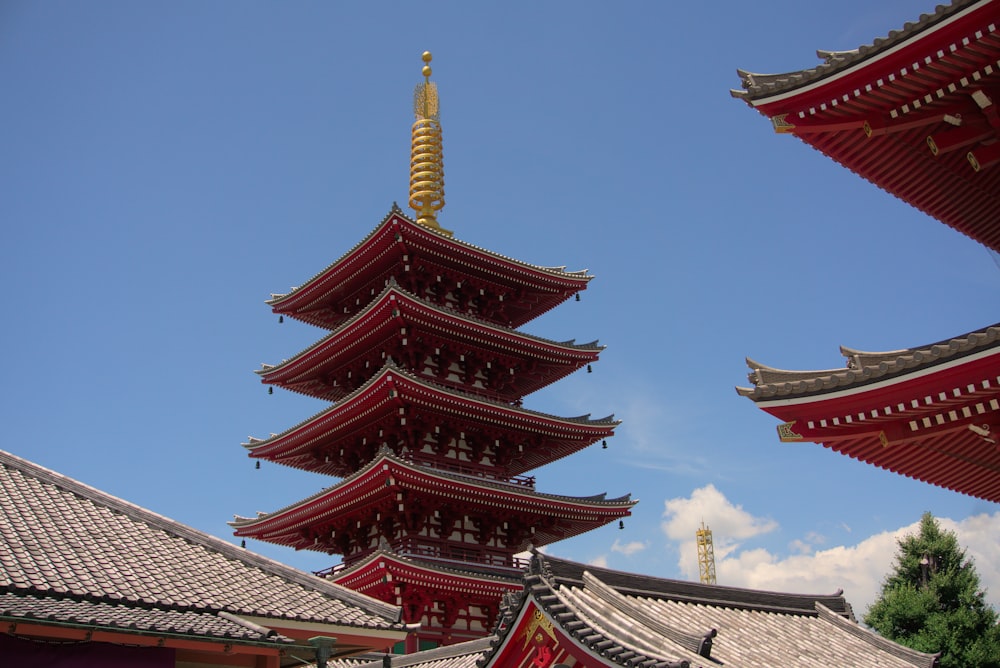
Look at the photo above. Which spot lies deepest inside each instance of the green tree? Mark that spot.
(933, 602)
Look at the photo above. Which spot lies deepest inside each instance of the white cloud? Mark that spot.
(856, 569)
(599, 562)
(682, 517)
(628, 549)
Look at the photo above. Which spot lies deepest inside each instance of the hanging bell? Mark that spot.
(270, 390)
(258, 465)
(281, 319)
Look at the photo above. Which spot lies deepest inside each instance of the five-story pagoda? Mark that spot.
(426, 371)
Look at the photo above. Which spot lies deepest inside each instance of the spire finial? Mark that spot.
(426, 157)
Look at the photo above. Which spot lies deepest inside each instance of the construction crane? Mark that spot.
(706, 555)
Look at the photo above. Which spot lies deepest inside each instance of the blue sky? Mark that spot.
(167, 166)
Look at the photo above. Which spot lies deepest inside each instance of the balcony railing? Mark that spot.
(470, 470)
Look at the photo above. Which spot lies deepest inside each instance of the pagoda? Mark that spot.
(426, 371)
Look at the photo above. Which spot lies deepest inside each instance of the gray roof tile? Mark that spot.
(756, 86)
(61, 539)
(631, 619)
(863, 368)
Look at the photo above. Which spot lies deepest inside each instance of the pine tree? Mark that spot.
(932, 601)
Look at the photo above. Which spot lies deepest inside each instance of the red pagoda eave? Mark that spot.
(384, 567)
(391, 325)
(381, 483)
(382, 404)
(928, 389)
(915, 114)
(891, 69)
(395, 243)
(929, 413)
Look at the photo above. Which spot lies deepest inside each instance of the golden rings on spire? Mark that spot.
(426, 155)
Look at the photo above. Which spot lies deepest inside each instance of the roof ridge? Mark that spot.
(920, 659)
(565, 609)
(699, 644)
(173, 527)
(686, 591)
(759, 85)
(868, 367)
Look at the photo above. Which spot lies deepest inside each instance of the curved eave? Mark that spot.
(396, 308)
(397, 231)
(857, 68)
(873, 112)
(380, 398)
(387, 474)
(944, 363)
(405, 569)
(931, 413)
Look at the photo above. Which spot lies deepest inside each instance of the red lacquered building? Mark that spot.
(915, 113)
(427, 374)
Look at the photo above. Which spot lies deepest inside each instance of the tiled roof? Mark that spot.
(129, 617)
(863, 368)
(70, 552)
(460, 655)
(572, 573)
(397, 212)
(756, 86)
(635, 620)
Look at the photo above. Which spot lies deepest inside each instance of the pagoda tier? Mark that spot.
(437, 342)
(460, 603)
(432, 266)
(915, 113)
(930, 413)
(430, 514)
(429, 423)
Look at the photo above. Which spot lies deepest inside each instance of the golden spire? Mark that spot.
(426, 158)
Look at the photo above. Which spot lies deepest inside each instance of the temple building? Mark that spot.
(570, 615)
(427, 371)
(88, 579)
(916, 114)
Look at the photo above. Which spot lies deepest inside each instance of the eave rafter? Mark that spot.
(442, 344)
(404, 412)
